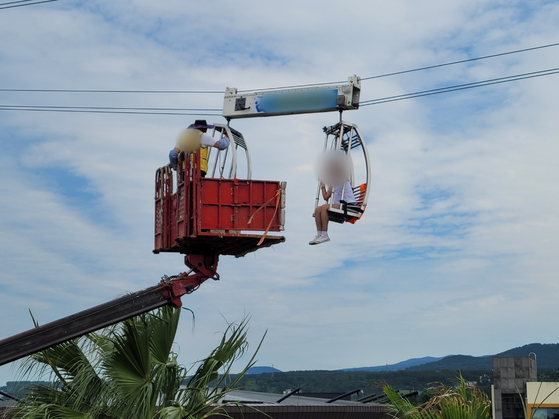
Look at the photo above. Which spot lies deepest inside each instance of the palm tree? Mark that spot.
(460, 402)
(130, 371)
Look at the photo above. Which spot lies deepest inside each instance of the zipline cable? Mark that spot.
(114, 108)
(217, 112)
(14, 2)
(460, 61)
(3, 6)
(278, 88)
(418, 68)
(73, 110)
(465, 86)
(113, 91)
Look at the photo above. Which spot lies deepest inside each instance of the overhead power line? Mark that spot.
(395, 73)
(465, 86)
(113, 91)
(14, 2)
(11, 5)
(112, 110)
(217, 112)
(140, 91)
(115, 108)
(460, 61)
(109, 112)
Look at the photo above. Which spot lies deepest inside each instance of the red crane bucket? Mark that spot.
(213, 216)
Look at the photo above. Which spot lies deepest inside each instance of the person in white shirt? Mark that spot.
(321, 211)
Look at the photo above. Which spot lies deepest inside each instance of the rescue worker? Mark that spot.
(197, 131)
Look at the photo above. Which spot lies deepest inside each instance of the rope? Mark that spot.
(278, 200)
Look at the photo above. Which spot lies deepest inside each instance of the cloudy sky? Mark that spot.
(457, 252)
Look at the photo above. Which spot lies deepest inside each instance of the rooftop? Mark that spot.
(258, 405)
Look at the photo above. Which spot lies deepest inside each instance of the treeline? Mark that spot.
(19, 389)
(344, 381)
(370, 382)
(548, 374)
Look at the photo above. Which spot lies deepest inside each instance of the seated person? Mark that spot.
(321, 211)
(196, 135)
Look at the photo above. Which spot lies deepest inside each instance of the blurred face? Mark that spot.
(337, 171)
(333, 168)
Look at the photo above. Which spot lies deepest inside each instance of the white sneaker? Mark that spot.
(322, 239)
(314, 241)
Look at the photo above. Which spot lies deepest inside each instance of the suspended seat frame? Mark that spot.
(346, 136)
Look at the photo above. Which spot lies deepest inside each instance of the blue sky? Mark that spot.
(455, 254)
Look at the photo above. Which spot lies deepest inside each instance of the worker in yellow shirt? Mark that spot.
(196, 134)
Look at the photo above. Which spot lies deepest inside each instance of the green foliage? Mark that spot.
(20, 389)
(548, 374)
(129, 372)
(457, 402)
(207, 386)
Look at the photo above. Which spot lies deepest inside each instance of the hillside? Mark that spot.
(547, 356)
(262, 370)
(412, 374)
(398, 366)
(457, 363)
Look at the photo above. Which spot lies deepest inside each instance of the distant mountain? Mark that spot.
(547, 356)
(457, 363)
(398, 366)
(261, 370)
(417, 373)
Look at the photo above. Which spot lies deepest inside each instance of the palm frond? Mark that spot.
(50, 411)
(129, 371)
(163, 331)
(400, 407)
(143, 367)
(460, 402)
(198, 395)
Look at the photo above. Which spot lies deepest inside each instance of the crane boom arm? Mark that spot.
(168, 292)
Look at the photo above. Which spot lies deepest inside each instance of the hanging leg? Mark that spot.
(324, 219)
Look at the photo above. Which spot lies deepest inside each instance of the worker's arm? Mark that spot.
(174, 157)
(222, 144)
(326, 193)
(209, 141)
